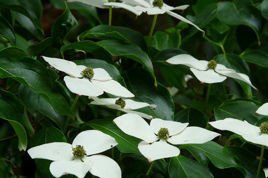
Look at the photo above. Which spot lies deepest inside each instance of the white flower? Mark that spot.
(249, 132)
(95, 3)
(160, 134)
(263, 109)
(75, 158)
(88, 81)
(208, 71)
(124, 105)
(151, 7)
(265, 172)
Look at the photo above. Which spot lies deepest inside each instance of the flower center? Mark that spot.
(158, 3)
(120, 102)
(88, 73)
(264, 128)
(163, 134)
(79, 152)
(212, 64)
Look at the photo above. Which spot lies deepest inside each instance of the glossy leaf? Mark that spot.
(218, 155)
(233, 108)
(7, 33)
(258, 57)
(126, 143)
(13, 112)
(35, 76)
(104, 32)
(184, 167)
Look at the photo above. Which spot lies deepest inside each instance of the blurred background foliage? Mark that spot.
(35, 105)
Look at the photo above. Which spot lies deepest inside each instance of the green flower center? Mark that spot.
(264, 128)
(212, 64)
(163, 134)
(120, 102)
(88, 73)
(79, 152)
(158, 3)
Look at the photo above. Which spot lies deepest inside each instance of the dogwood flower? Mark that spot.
(81, 156)
(263, 109)
(151, 7)
(208, 71)
(251, 133)
(159, 138)
(87, 81)
(124, 105)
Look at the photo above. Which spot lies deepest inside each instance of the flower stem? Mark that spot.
(74, 102)
(153, 25)
(110, 15)
(208, 92)
(260, 162)
(72, 110)
(149, 169)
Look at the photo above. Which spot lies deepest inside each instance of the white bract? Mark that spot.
(263, 109)
(208, 71)
(265, 172)
(249, 132)
(75, 158)
(159, 137)
(151, 7)
(124, 105)
(87, 81)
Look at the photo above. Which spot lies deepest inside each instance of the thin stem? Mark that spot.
(74, 102)
(208, 92)
(153, 25)
(149, 169)
(110, 15)
(260, 162)
(72, 110)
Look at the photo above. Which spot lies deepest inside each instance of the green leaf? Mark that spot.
(233, 108)
(184, 167)
(87, 46)
(47, 135)
(26, 18)
(192, 116)
(63, 24)
(35, 102)
(34, 8)
(126, 143)
(264, 9)
(246, 161)
(104, 32)
(231, 14)
(256, 56)
(13, 112)
(38, 78)
(7, 34)
(4, 169)
(146, 92)
(115, 48)
(43, 47)
(12, 52)
(166, 40)
(219, 156)
(129, 51)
